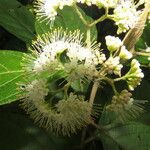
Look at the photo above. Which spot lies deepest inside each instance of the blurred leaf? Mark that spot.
(109, 144)
(142, 91)
(10, 74)
(80, 86)
(143, 60)
(19, 133)
(129, 136)
(42, 27)
(144, 38)
(9, 4)
(141, 44)
(16, 19)
(67, 19)
(146, 34)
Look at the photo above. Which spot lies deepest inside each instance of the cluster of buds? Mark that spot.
(124, 106)
(135, 75)
(113, 65)
(114, 44)
(123, 101)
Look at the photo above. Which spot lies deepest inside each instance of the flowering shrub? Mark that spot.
(60, 80)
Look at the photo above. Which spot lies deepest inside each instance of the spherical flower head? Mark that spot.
(135, 75)
(125, 54)
(73, 114)
(60, 51)
(65, 50)
(125, 16)
(113, 65)
(113, 43)
(66, 117)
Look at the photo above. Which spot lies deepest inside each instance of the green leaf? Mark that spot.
(10, 74)
(129, 136)
(146, 34)
(16, 19)
(42, 27)
(19, 133)
(67, 19)
(9, 4)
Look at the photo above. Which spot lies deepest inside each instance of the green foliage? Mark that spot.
(10, 74)
(129, 136)
(142, 44)
(17, 20)
(19, 133)
(66, 20)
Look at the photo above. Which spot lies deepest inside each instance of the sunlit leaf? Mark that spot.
(10, 74)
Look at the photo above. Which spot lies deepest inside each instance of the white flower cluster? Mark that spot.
(113, 65)
(113, 43)
(79, 59)
(125, 16)
(49, 8)
(124, 53)
(134, 75)
(100, 3)
(47, 58)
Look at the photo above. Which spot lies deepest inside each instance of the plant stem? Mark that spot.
(80, 15)
(105, 132)
(88, 38)
(119, 79)
(102, 18)
(94, 91)
(111, 82)
(142, 54)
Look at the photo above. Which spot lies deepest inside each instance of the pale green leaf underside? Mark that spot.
(10, 74)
